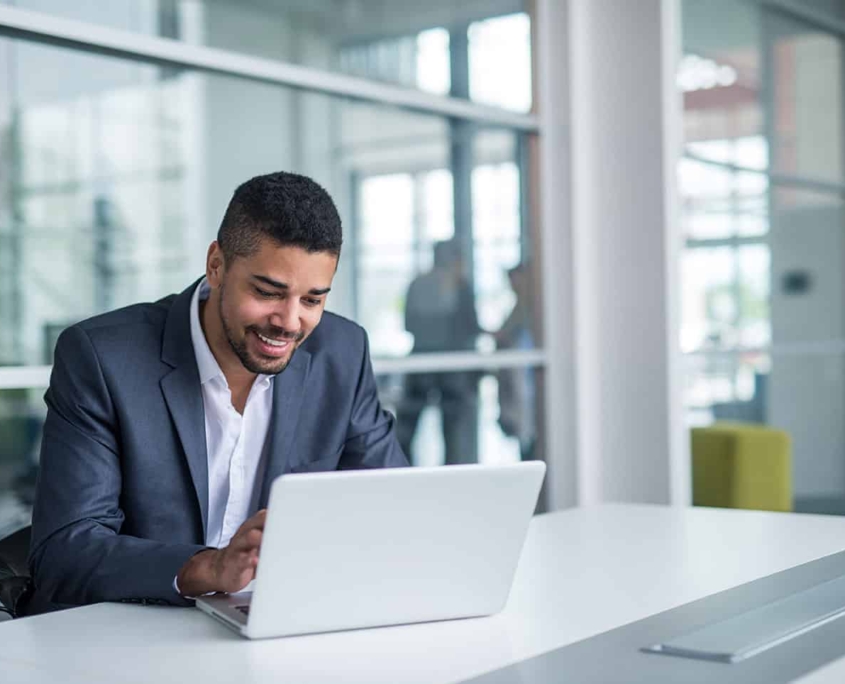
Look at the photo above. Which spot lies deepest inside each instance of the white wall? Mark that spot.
(623, 120)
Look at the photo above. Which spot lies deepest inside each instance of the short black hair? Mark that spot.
(288, 208)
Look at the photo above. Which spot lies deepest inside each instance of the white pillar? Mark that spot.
(611, 118)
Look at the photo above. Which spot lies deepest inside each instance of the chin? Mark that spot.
(268, 367)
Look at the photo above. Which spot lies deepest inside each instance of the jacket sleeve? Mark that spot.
(371, 436)
(78, 554)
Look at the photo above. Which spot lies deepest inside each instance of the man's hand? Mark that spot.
(228, 569)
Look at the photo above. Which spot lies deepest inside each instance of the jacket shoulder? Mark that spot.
(129, 328)
(336, 333)
(150, 313)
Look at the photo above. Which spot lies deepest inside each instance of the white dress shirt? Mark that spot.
(235, 443)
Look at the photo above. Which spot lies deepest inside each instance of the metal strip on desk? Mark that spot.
(796, 609)
(758, 630)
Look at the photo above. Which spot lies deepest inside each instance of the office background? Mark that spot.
(667, 175)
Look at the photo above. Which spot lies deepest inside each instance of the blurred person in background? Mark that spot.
(517, 389)
(440, 314)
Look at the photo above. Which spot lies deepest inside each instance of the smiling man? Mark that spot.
(168, 421)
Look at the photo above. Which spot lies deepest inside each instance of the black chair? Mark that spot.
(15, 584)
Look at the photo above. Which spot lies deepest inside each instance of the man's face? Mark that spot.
(268, 303)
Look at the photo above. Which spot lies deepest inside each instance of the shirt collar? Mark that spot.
(206, 363)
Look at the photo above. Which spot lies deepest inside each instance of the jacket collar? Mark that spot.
(183, 396)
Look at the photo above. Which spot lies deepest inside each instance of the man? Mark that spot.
(167, 422)
(440, 314)
(517, 391)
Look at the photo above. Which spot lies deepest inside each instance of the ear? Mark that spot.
(215, 265)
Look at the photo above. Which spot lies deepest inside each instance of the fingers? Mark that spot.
(252, 539)
(237, 567)
(255, 522)
(240, 558)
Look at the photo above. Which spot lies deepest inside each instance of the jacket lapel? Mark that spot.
(288, 397)
(183, 395)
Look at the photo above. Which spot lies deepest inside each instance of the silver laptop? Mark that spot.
(367, 548)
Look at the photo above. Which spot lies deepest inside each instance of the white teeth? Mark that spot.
(272, 343)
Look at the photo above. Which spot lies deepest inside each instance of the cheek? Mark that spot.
(310, 319)
(253, 311)
(246, 312)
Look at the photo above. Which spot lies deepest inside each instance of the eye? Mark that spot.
(309, 301)
(263, 293)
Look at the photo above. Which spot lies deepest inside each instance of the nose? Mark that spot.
(286, 315)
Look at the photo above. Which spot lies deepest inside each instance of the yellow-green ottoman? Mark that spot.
(736, 465)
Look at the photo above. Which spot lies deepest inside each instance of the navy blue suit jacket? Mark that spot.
(122, 495)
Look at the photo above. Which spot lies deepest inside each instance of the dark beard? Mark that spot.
(239, 347)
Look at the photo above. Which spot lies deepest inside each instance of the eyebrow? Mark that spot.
(316, 291)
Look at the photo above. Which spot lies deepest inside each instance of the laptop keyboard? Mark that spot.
(243, 609)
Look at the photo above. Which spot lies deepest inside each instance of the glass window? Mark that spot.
(420, 288)
(709, 303)
(115, 174)
(465, 416)
(763, 305)
(450, 417)
(808, 267)
(402, 43)
(726, 386)
(807, 113)
(118, 184)
(719, 199)
(500, 62)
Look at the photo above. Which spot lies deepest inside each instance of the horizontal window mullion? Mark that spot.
(459, 361)
(38, 377)
(43, 28)
(24, 377)
(782, 349)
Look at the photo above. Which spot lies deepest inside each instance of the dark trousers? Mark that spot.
(457, 396)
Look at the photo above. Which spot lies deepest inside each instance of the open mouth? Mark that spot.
(271, 346)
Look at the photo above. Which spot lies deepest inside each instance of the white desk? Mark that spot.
(583, 572)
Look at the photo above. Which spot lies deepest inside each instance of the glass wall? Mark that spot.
(395, 42)
(762, 187)
(115, 173)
